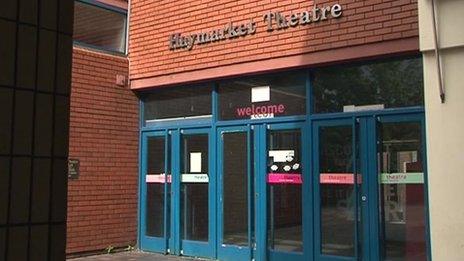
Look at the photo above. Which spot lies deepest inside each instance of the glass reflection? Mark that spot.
(338, 199)
(178, 102)
(287, 96)
(155, 190)
(194, 187)
(284, 183)
(235, 189)
(402, 192)
(394, 83)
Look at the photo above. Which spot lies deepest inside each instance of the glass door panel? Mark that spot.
(155, 192)
(370, 194)
(337, 191)
(401, 177)
(235, 189)
(284, 182)
(194, 188)
(155, 187)
(235, 193)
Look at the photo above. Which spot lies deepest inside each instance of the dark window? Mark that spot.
(395, 83)
(267, 96)
(177, 103)
(99, 27)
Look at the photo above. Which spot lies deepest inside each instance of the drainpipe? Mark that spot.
(127, 40)
(437, 53)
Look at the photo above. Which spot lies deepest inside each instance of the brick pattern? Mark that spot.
(102, 203)
(152, 22)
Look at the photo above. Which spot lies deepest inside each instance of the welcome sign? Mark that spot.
(273, 21)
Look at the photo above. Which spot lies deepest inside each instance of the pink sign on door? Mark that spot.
(338, 178)
(160, 178)
(284, 178)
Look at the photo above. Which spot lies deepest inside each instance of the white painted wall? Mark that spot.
(445, 126)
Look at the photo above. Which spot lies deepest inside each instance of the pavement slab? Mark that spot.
(133, 256)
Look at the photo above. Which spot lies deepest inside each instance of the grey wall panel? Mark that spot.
(26, 57)
(4, 184)
(43, 125)
(28, 11)
(46, 61)
(20, 189)
(6, 112)
(24, 101)
(17, 243)
(7, 51)
(41, 190)
(38, 249)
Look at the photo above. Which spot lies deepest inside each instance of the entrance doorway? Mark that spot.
(320, 164)
(262, 212)
(178, 192)
(369, 188)
(340, 188)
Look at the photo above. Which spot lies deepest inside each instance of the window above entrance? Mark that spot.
(373, 85)
(376, 85)
(266, 96)
(177, 103)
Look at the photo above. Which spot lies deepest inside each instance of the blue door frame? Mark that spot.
(364, 124)
(156, 244)
(264, 195)
(189, 247)
(258, 195)
(365, 137)
(224, 251)
(172, 242)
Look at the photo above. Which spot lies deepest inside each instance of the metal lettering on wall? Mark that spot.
(273, 21)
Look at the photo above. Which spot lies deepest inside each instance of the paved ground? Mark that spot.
(132, 256)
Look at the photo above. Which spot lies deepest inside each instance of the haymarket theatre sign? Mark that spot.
(273, 21)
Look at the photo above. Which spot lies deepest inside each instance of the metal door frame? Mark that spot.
(365, 130)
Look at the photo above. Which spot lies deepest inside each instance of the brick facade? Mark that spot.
(102, 203)
(363, 22)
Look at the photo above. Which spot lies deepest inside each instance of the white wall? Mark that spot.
(445, 126)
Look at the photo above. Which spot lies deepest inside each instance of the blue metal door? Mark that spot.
(235, 193)
(369, 183)
(283, 199)
(155, 180)
(194, 179)
(177, 207)
(263, 196)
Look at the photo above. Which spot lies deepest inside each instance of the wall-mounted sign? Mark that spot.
(272, 20)
(73, 168)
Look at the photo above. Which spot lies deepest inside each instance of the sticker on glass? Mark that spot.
(195, 162)
(260, 94)
(282, 155)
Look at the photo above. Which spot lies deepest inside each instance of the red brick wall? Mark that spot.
(102, 203)
(152, 22)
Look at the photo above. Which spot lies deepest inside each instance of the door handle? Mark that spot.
(363, 198)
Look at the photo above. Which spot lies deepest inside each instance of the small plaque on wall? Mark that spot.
(73, 168)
